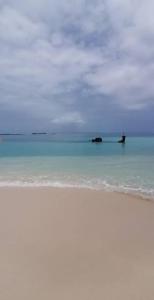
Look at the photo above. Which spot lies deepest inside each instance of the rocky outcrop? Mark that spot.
(122, 140)
(97, 140)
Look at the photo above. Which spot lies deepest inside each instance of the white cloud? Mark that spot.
(51, 52)
(17, 29)
(69, 118)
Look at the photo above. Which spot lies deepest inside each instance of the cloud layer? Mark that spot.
(78, 65)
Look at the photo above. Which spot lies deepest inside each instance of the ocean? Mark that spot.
(71, 160)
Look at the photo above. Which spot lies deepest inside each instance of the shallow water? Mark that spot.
(72, 160)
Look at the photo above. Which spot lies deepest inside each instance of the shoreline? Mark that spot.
(79, 188)
(75, 244)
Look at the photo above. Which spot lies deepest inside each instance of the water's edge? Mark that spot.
(106, 188)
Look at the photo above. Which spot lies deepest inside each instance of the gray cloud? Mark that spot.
(78, 63)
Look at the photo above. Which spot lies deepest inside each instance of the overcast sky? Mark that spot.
(77, 65)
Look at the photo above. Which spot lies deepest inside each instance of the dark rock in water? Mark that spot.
(123, 139)
(97, 140)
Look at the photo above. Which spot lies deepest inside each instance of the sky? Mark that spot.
(77, 65)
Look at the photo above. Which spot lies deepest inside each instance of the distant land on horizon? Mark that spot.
(131, 134)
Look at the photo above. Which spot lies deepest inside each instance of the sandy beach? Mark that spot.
(75, 244)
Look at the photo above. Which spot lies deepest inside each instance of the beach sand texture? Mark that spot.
(75, 244)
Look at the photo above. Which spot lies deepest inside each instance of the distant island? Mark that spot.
(39, 132)
(34, 133)
(11, 133)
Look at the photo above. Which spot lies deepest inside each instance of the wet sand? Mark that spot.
(75, 244)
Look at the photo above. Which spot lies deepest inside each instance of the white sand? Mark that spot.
(75, 244)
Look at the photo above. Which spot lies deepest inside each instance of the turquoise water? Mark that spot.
(72, 160)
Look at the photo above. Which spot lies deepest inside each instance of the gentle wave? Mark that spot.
(100, 185)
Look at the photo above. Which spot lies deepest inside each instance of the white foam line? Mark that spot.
(101, 186)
